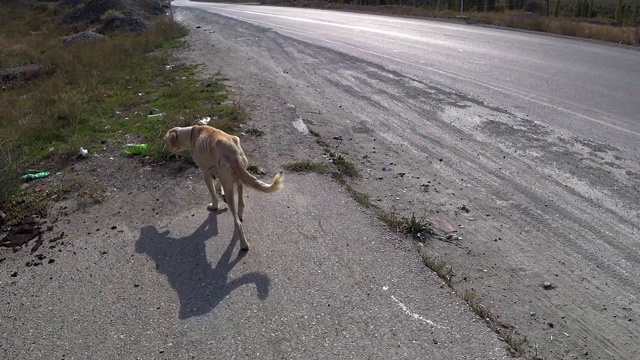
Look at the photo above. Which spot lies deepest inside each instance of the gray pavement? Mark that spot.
(323, 280)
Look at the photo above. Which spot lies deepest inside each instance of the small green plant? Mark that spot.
(471, 298)
(343, 165)
(391, 219)
(440, 267)
(418, 229)
(255, 170)
(255, 132)
(322, 143)
(307, 166)
(516, 344)
(361, 198)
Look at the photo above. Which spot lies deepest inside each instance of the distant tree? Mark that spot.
(620, 12)
(577, 8)
(556, 9)
(634, 17)
(490, 5)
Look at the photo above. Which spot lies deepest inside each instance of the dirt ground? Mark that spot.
(536, 217)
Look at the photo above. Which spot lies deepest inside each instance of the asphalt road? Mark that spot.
(151, 274)
(583, 88)
(547, 169)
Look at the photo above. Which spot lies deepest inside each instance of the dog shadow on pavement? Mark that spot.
(200, 286)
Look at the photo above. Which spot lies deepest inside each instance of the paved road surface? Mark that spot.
(581, 87)
(163, 279)
(537, 135)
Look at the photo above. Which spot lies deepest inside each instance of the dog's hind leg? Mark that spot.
(208, 180)
(227, 185)
(220, 191)
(240, 201)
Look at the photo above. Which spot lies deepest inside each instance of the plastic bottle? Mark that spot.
(135, 149)
(39, 175)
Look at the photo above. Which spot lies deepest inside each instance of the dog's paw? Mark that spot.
(212, 207)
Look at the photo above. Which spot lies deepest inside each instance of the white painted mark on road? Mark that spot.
(300, 126)
(412, 314)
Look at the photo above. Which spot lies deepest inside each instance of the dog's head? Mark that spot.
(173, 142)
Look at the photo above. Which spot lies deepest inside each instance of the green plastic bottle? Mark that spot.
(135, 149)
(39, 175)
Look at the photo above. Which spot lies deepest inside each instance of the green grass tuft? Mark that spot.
(307, 167)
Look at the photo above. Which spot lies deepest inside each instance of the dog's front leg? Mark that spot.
(208, 180)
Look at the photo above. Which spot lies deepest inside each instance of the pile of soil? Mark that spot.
(127, 15)
(21, 75)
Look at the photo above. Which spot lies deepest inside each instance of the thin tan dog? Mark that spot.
(220, 157)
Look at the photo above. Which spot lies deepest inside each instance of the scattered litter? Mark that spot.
(464, 208)
(204, 121)
(300, 126)
(155, 116)
(169, 67)
(135, 149)
(33, 176)
(83, 152)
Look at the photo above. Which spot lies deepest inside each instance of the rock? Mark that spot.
(85, 36)
(548, 286)
(464, 208)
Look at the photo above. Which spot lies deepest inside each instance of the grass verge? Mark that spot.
(308, 167)
(97, 95)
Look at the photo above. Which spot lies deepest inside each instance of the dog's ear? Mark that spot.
(172, 138)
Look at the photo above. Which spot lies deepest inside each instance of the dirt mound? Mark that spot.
(124, 22)
(131, 13)
(20, 75)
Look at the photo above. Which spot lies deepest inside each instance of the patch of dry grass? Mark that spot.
(561, 26)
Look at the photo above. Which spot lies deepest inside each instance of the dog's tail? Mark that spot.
(251, 181)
